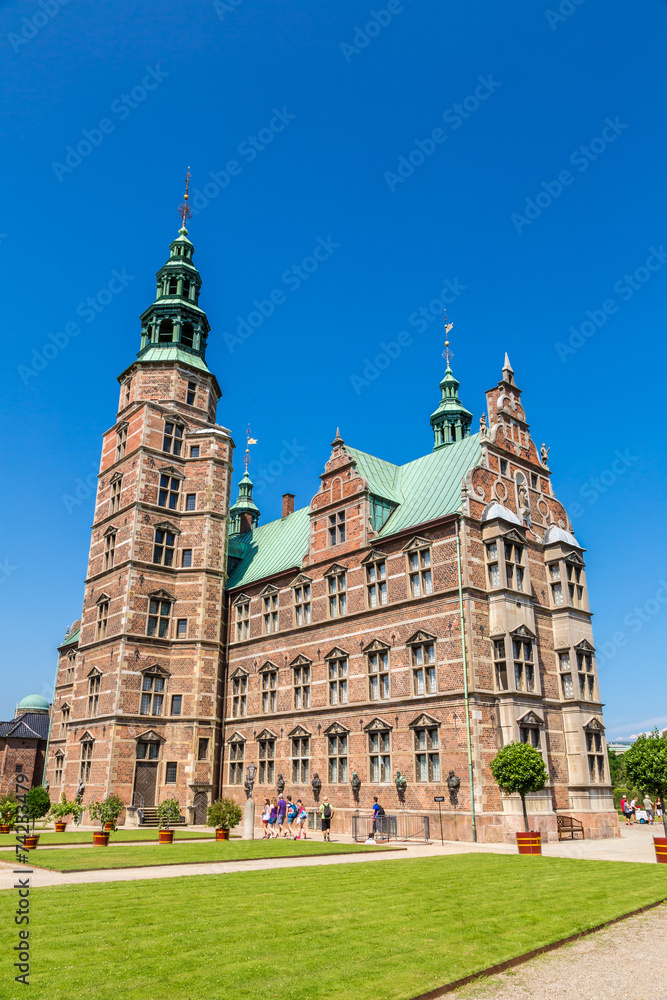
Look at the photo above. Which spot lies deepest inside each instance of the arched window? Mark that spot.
(166, 331)
(173, 286)
(187, 334)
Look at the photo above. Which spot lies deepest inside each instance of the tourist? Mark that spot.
(658, 808)
(266, 816)
(326, 812)
(292, 813)
(281, 827)
(301, 820)
(648, 807)
(273, 817)
(633, 810)
(378, 813)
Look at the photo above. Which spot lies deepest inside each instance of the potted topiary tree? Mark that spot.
(9, 807)
(106, 813)
(646, 766)
(61, 810)
(168, 812)
(39, 804)
(223, 815)
(519, 767)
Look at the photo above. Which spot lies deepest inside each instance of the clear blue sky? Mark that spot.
(319, 112)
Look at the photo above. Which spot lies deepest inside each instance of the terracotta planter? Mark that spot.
(660, 844)
(222, 834)
(101, 839)
(530, 842)
(166, 836)
(108, 827)
(32, 842)
(5, 828)
(61, 827)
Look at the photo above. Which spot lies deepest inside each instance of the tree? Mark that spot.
(646, 767)
(107, 811)
(168, 813)
(224, 814)
(616, 769)
(39, 803)
(519, 767)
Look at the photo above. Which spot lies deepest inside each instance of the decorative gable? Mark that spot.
(424, 721)
(162, 595)
(171, 470)
(335, 654)
(102, 598)
(241, 599)
(267, 666)
(167, 526)
(301, 580)
(116, 476)
(298, 731)
(531, 719)
(376, 646)
(417, 543)
(335, 569)
(595, 724)
(155, 668)
(418, 637)
(522, 632)
(335, 729)
(150, 736)
(375, 555)
(585, 646)
(574, 557)
(266, 734)
(377, 726)
(111, 530)
(239, 672)
(269, 589)
(513, 536)
(236, 737)
(94, 673)
(301, 661)
(86, 738)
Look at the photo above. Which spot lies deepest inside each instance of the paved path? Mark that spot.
(627, 961)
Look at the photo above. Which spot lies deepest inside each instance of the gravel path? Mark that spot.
(627, 961)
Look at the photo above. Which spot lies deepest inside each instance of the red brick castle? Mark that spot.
(407, 623)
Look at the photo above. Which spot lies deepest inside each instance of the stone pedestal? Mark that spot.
(249, 820)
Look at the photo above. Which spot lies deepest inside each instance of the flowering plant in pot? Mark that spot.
(60, 811)
(9, 807)
(168, 812)
(646, 766)
(106, 813)
(223, 815)
(519, 767)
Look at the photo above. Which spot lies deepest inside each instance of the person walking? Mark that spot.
(301, 820)
(266, 816)
(281, 826)
(633, 810)
(326, 814)
(378, 813)
(291, 816)
(273, 817)
(648, 808)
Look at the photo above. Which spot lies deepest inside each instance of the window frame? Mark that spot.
(430, 751)
(242, 620)
(337, 757)
(236, 760)
(419, 570)
(427, 667)
(379, 757)
(300, 758)
(153, 693)
(376, 580)
(239, 694)
(337, 679)
(269, 688)
(158, 621)
(86, 759)
(379, 672)
(267, 758)
(301, 601)
(172, 437)
(337, 593)
(93, 694)
(301, 683)
(168, 494)
(336, 528)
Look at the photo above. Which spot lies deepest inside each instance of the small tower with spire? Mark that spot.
(244, 513)
(451, 421)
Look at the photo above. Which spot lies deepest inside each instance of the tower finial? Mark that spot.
(249, 441)
(447, 354)
(184, 210)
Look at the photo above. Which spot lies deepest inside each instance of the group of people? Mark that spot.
(631, 808)
(283, 818)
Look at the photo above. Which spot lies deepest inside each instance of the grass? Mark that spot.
(86, 836)
(387, 930)
(130, 857)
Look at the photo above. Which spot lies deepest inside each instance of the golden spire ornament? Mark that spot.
(447, 354)
(249, 441)
(184, 210)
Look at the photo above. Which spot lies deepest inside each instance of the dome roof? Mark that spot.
(497, 510)
(33, 703)
(556, 534)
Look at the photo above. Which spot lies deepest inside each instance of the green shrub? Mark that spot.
(39, 803)
(646, 766)
(224, 814)
(168, 812)
(519, 767)
(107, 811)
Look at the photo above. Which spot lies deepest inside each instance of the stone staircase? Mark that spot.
(150, 818)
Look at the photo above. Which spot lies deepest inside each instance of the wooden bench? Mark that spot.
(569, 828)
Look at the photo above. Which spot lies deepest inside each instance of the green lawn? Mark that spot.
(160, 854)
(120, 836)
(387, 930)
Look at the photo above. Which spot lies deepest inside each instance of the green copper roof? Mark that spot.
(34, 701)
(169, 352)
(69, 640)
(423, 490)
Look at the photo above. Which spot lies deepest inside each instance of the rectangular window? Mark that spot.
(378, 675)
(186, 558)
(269, 684)
(158, 617)
(64, 720)
(170, 772)
(267, 753)
(109, 550)
(376, 584)
(302, 687)
(270, 613)
(242, 622)
(93, 694)
(337, 753)
(176, 704)
(419, 572)
(190, 397)
(423, 669)
(379, 747)
(239, 696)
(152, 695)
(531, 735)
(565, 675)
(202, 750)
(595, 756)
(86, 761)
(58, 773)
(194, 451)
(586, 675)
(300, 761)
(172, 442)
(338, 682)
(121, 442)
(514, 570)
(236, 755)
(114, 496)
(524, 667)
(191, 501)
(302, 605)
(427, 758)
(181, 628)
(503, 467)
(500, 664)
(337, 528)
(102, 619)
(148, 750)
(163, 550)
(492, 560)
(337, 595)
(168, 492)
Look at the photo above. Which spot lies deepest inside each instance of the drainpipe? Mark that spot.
(465, 680)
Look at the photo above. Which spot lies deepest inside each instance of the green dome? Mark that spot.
(33, 703)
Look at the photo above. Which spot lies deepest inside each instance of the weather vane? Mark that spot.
(249, 441)
(447, 354)
(184, 210)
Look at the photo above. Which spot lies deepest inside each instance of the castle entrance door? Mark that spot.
(200, 804)
(145, 780)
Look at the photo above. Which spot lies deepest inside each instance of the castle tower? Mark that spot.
(451, 421)
(137, 708)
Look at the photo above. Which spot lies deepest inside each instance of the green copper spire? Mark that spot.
(244, 514)
(451, 421)
(174, 324)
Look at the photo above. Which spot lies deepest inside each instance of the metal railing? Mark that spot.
(401, 827)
